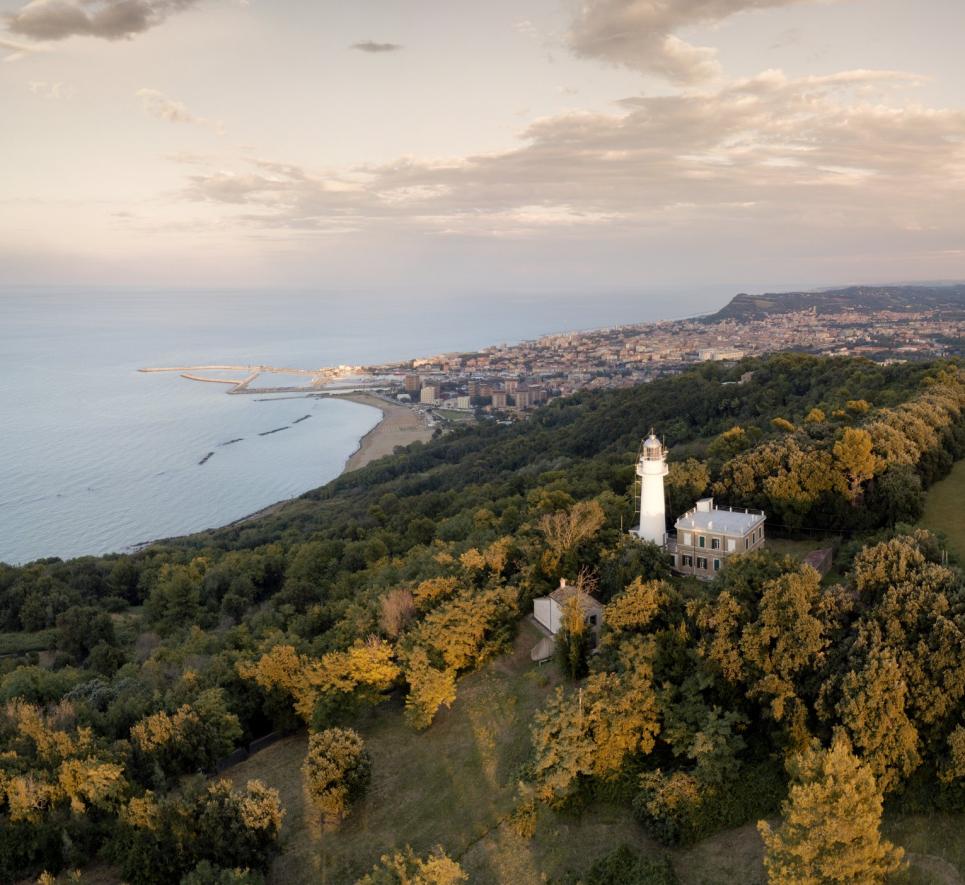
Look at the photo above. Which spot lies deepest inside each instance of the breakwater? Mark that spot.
(317, 378)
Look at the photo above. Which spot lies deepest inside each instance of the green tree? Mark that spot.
(206, 873)
(80, 628)
(159, 841)
(591, 732)
(176, 598)
(686, 482)
(192, 738)
(830, 830)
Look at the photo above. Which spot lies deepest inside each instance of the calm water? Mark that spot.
(96, 457)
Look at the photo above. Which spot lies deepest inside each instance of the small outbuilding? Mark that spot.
(548, 610)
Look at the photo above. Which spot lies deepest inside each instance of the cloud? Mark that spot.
(640, 34)
(17, 50)
(53, 91)
(372, 47)
(159, 105)
(769, 156)
(107, 19)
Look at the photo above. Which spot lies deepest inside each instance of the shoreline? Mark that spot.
(398, 426)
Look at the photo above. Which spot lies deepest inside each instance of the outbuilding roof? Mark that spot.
(561, 594)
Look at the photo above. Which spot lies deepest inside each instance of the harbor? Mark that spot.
(318, 379)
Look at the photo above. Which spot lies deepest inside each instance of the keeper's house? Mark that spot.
(707, 535)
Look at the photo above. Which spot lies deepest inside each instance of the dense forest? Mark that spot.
(706, 705)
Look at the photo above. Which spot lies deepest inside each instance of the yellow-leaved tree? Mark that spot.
(564, 530)
(406, 868)
(367, 667)
(830, 830)
(429, 688)
(591, 732)
(855, 458)
(637, 606)
(337, 770)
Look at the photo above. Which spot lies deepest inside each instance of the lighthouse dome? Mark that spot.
(652, 449)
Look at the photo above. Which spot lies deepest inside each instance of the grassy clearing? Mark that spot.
(935, 845)
(454, 785)
(21, 643)
(945, 510)
(448, 785)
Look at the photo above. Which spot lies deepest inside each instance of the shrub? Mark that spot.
(624, 867)
(405, 868)
(337, 770)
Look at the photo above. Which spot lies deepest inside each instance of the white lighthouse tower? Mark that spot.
(651, 469)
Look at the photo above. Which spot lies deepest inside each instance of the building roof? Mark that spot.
(725, 521)
(561, 594)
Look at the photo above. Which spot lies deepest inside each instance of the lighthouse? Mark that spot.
(651, 469)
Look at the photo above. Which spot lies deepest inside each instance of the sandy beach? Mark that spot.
(399, 427)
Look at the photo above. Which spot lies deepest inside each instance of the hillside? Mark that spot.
(384, 613)
(899, 299)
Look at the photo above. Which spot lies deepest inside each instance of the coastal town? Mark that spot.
(512, 379)
(507, 382)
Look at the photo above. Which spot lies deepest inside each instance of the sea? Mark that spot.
(96, 457)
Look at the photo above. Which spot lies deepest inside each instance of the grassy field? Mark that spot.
(455, 785)
(20, 643)
(945, 510)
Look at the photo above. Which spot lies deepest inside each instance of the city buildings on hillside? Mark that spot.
(519, 377)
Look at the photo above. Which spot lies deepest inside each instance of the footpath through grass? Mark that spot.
(945, 510)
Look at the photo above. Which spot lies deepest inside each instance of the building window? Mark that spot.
(673, 559)
(686, 539)
(716, 565)
(715, 543)
(702, 563)
(746, 543)
(592, 620)
(731, 545)
(700, 541)
(687, 560)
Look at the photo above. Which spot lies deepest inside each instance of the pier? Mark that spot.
(318, 378)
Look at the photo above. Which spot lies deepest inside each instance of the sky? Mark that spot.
(413, 146)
